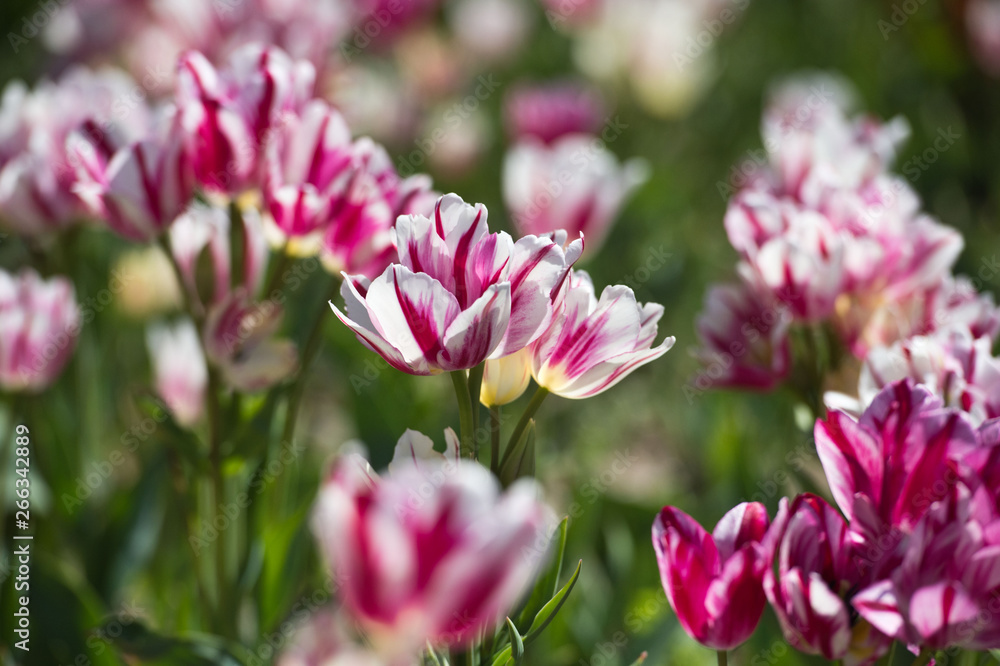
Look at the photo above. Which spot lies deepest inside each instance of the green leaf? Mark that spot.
(134, 640)
(640, 660)
(520, 460)
(516, 643)
(504, 658)
(548, 583)
(548, 612)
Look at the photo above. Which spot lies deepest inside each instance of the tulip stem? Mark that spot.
(529, 412)
(475, 388)
(461, 383)
(495, 421)
(723, 658)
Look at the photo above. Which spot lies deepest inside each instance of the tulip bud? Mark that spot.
(506, 379)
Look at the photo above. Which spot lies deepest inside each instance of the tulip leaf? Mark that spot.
(516, 643)
(504, 658)
(548, 612)
(520, 460)
(548, 582)
(640, 660)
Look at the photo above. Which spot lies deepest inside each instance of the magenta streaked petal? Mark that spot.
(475, 332)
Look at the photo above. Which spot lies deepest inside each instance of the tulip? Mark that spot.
(432, 552)
(179, 371)
(816, 567)
(140, 189)
(956, 367)
(744, 338)
(305, 160)
(226, 116)
(459, 294)
(363, 207)
(506, 379)
(982, 21)
(944, 593)
(324, 641)
(549, 112)
(574, 184)
(39, 325)
(238, 339)
(713, 582)
(594, 344)
(887, 468)
(207, 228)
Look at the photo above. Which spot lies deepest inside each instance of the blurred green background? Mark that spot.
(118, 552)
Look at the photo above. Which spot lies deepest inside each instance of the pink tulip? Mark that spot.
(713, 581)
(459, 294)
(383, 21)
(239, 340)
(306, 159)
(206, 228)
(179, 372)
(363, 208)
(816, 567)
(944, 592)
(959, 369)
(744, 339)
(887, 468)
(574, 184)
(550, 111)
(227, 115)
(39, 325)
(37, 172)
(140, 189)
(594, 344)
(982, 19)
(323, 640)
(432, 552)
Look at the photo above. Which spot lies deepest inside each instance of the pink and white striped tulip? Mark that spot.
(226, 115)
(39, 325)
(887, 468)
(816, 567)
(594, 344)
(944, 592)
(744, 339)
(713, 581)
(459, 294)
(323, 640)
(139, 190)
(206, 228)
(180, 375)
(548, 112)
(574, 184)
(433, 551)
(239, 340)
(306, 158)
(363, 209)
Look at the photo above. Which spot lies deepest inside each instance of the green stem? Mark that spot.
(475, 387)
(186, 302)
(723, 658)
(529, 412)
(495, 440)
(218, 498)
(279, 269)
(464, 412)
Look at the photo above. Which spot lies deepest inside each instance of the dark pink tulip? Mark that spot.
(816, 568)
(459, 294)
(226, 116)
(139, 190)
(434, 551)
(550, 111)
(713, 581)
(744, 339)
(886, 469)
(594, 343)
(39, 325)
(946, 590)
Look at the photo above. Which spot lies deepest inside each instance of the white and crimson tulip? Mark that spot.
(459, 294)
(431, 552)
(39, 324)
(593, 344)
